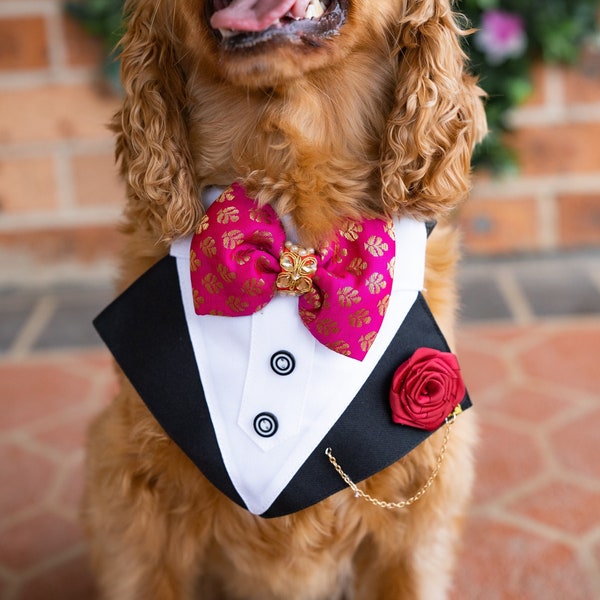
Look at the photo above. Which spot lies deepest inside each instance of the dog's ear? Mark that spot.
(152, 145)
(437, 116)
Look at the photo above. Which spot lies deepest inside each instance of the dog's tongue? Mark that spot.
(256, 15)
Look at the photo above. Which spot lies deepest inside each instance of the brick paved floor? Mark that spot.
(530, 355)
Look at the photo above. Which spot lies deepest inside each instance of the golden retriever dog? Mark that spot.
(324, 113)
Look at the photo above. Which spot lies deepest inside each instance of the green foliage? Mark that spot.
(548, 30)
(103, 19)
(502, 51)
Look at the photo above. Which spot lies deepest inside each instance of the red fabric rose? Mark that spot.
(426, 389)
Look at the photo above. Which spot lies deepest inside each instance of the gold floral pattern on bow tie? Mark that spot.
(194, 261)
(228, 214)
(375, 283)
(383, 304)
(351, 230)
(348, 296)
(236, 304)
(360, 318)
(239, 259)
(208, 247)
(198, 299)
(203, 225)
(376, 246)
(366, 341)
(232, 238)
(258, 215)
(298, 266)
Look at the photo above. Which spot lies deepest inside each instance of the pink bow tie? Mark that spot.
(239, 259)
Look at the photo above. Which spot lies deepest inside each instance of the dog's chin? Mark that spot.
(282, 51)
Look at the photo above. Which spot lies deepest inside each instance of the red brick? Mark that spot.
(23, 43)
(96, 180)
(55, 112)
(579, 219)
(83, 50)
(538, 82)
(557, 149)
(582, 82)
(27, 185)
(496, 225)
(81, 243)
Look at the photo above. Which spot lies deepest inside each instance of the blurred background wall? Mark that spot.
(60, 198)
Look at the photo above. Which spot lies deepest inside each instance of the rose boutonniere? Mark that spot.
(426, 389)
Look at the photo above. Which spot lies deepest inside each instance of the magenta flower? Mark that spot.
(501, 36)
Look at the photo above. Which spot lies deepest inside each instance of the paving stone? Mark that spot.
(12, 320)
(530, 406)
(24, 479)
(32, 392)
(503, 562)
(71, 324)
(576, 445)
(553, 291)
(54, 533)
(513, 457)
(562, 505)
(481, 371)
(71, 580)
(481, 299)
(569, 358)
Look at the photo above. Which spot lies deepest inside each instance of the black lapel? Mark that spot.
(146, 331)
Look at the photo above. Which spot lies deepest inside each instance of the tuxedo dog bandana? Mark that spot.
(256, 400)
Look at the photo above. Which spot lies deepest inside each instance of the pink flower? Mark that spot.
(426, 389)
(501, 36)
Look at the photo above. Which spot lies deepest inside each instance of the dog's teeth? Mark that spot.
(314, 9)
(227, 33)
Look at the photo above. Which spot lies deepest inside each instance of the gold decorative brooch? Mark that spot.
(298, 266)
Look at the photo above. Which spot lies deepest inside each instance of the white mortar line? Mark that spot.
(547, 220)
(56, 43)
(513, 296)
(41, 77)
(64, 179)
(37, 321)
(44, 148)
(13, 8)
(59, 219)
(516, 187)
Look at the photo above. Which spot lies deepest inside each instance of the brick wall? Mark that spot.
(59, 193)
(553, 203)
(60, 198)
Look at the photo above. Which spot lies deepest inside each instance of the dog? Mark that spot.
(317, 114)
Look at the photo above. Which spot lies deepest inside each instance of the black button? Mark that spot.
(265, 424)
(282, 362)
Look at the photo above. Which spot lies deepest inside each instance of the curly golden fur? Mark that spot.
(378, 119)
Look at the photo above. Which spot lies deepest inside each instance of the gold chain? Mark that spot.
(358, 493)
